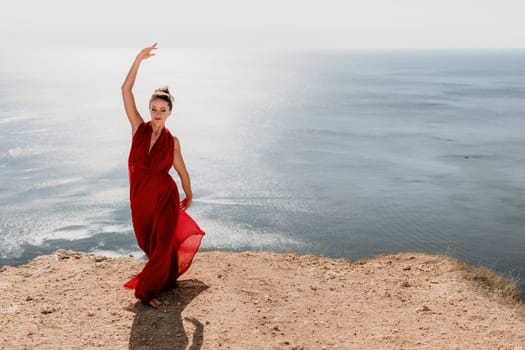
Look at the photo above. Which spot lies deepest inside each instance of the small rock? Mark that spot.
(48, 310)
(406, 268)
(29, 298)
(62, 254)
(405, 284)
(423, 308)
(332, 274)
(91, 314)
(13, 309)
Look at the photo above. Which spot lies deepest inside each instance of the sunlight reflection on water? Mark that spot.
(345, 154)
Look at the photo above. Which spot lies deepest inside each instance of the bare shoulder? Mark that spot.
(176, 144)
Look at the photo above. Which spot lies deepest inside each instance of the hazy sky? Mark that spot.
(268, 23)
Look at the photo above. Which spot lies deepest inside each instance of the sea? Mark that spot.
(339, 153)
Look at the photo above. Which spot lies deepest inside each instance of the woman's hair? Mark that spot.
(163, 93)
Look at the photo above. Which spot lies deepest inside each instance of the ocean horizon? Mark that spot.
(339, 153)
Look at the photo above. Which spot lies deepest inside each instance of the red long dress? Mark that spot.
(168, 236)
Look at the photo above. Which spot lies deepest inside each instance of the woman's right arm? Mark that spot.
(127, 94)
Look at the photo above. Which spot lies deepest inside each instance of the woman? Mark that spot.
(168, 236)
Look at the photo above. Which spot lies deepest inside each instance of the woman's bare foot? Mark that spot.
(155, 303)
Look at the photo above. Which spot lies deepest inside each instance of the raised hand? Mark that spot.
(147, 52)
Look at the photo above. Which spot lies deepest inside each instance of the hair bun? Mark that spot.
(163, 91)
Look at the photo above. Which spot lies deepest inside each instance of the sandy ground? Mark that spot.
(256, 300)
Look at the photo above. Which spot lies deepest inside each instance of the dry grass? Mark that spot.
(494, 285)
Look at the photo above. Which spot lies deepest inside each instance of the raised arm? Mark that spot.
(180, 168)
(134, 117)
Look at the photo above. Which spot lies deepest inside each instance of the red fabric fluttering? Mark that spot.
(168, 235)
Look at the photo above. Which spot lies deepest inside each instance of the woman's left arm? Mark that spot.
(180, 168)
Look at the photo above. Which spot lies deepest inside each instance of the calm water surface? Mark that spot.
(339, 153)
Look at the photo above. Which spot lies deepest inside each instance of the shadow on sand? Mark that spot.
(164, 328)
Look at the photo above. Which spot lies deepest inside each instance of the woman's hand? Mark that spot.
(185, 203)
(147, 52)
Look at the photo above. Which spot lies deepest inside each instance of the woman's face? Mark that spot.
(159, 110)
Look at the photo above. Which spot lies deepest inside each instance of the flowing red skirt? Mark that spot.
(168, 235)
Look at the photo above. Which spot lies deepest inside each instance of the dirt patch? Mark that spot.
(258, 300)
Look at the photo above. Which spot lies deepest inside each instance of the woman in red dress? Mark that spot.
(166, 234)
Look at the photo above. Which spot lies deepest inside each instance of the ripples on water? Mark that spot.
(339, 153)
